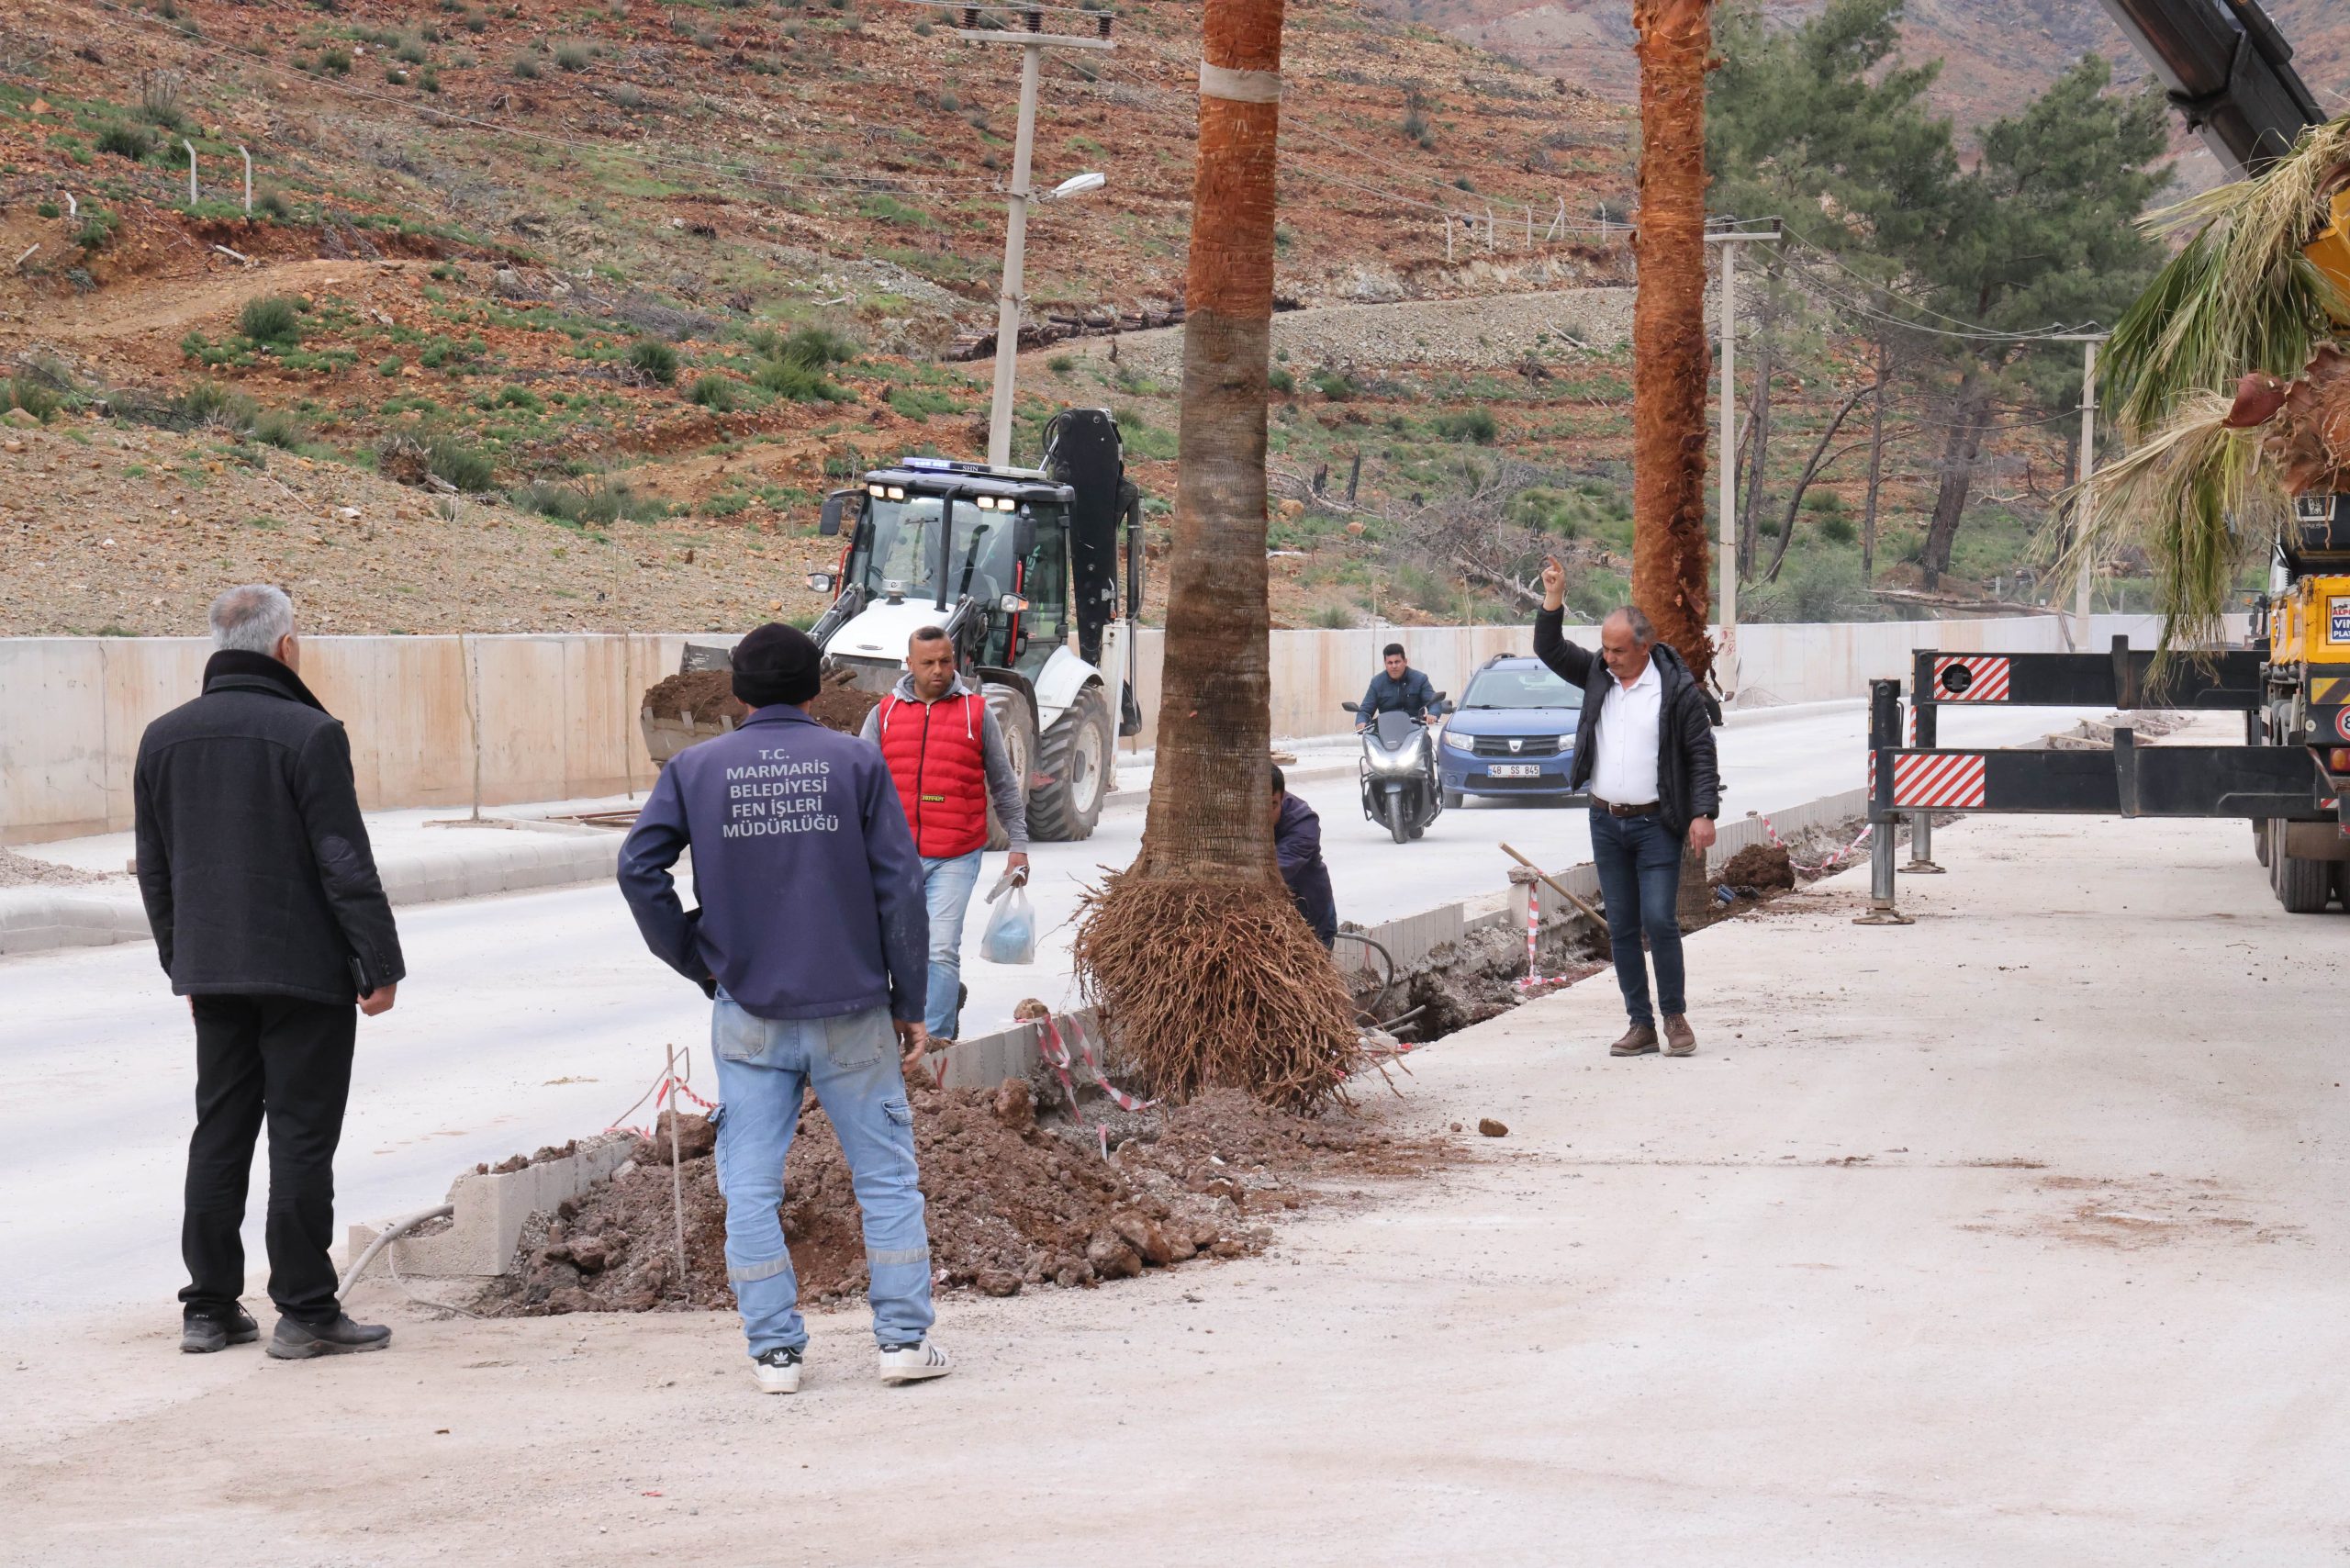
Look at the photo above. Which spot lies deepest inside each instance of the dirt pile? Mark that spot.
(708, 696)
(1014, 1201)
(23, 872)
(1762, 866)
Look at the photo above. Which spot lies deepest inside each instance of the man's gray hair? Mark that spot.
(1643, 630)
(253, 618)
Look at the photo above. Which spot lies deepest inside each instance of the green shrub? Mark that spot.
(452, 462)
(279, 429)
(124, 141)
(1280, 380)
(1335, 386)
(273, 205)
(1475, 425)
(714, 392)
(31, 397)
(412, 51)
(206, 402)
(571, 56)
(337, 61)
(98, 225)
(653, 358)
(1060, 365)
(597, 504)
(1838, 529)
(525, 67)
(800, 382)
(429, 81)
(389, 367)
(817, 347)
(49, 209)
(521, 398)
(275, 319)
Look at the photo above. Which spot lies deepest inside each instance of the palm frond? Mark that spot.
(2240, 296)
(2199, 498)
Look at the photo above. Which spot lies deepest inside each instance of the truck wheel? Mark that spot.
(1018, 725)
(2302, 886)
(1074, 755)
(2260, 839)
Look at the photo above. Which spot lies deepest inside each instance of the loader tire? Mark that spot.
(1072, 772)
(2303, 887)
(1018, 723)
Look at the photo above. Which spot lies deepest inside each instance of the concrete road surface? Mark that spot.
(2017, 1236)
(534, 1018)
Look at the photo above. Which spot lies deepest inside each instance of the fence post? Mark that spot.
(249, 180)
(1885, 735)
(1448, 239)
(1921, 823)
(191, 171)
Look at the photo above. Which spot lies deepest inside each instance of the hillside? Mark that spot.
(1995, 54)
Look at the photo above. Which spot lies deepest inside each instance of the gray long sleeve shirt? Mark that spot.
(1004, 783)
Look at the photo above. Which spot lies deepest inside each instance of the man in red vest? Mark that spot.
(947, 757)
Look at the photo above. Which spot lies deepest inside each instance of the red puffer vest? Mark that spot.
(937, 757)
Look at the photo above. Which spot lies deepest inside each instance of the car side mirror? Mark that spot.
(1352, 707)
(1023, 535)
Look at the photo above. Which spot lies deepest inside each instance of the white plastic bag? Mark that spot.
(1010, 935)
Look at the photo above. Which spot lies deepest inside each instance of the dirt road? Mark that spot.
(2016, 1236)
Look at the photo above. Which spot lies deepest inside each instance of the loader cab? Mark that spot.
(929, 537)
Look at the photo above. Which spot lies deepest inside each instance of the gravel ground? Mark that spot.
(24, 872)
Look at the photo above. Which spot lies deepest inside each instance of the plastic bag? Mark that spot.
(1010, 935)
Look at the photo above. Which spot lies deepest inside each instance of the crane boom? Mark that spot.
(2230, 72)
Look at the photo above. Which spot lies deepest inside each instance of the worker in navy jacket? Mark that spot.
(1297, 846)
(812, 941)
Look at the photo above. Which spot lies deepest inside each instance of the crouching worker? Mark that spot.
(811, 942)
(1297, 844)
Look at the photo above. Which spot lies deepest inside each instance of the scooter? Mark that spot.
(1399, 771)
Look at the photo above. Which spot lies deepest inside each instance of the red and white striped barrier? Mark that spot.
(1947, 779)
(1986, 680)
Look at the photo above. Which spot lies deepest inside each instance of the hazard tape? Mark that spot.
(1822, 867)
(656, 1095)
(1054, 1051)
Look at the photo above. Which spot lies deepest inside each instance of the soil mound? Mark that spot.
(1012, 1203)
(708, 696)
(1763, 867)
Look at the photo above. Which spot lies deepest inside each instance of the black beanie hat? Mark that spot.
(777, 664)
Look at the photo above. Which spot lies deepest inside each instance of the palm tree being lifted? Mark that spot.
(1196, 954)
(1670, 559)
(2229, 374)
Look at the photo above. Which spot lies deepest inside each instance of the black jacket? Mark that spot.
(1412, 695)
(1688, 782)
(1297, 844)
(253, 857)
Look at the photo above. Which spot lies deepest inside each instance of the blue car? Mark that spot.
(1513, 733)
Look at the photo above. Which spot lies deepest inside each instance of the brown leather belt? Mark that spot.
(1645, 809)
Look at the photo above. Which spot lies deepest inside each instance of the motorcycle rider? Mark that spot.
(1398, 688)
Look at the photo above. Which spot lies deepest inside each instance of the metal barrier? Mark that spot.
(2256, 781)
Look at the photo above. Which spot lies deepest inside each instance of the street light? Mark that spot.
(1015, 245)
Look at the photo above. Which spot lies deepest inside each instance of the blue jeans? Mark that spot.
(946, 886)
(1640, 880)
(852, 1063)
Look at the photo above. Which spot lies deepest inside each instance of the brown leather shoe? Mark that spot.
(1637, 1041)
(1680, 1040)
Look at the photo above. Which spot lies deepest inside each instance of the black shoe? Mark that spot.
(201, 1333)
(297, 1341)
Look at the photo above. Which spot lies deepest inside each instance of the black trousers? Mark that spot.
(290, 1060)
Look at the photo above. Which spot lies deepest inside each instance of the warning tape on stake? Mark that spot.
(1054, 1051)
(1534, 977)
(656, 1095)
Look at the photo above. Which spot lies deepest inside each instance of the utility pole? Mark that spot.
(1032, 45)
(2083, 508)
(1725, 468)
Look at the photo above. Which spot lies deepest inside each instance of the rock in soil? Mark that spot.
(696, 1137)
(1491, 1128)
(1012, 1203)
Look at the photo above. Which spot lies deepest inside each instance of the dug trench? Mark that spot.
(1026, 1189)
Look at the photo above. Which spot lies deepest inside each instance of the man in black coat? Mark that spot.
(1644, 748)
(270, 919)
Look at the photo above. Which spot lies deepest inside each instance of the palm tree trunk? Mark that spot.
(1196, 954)
(1670, 578)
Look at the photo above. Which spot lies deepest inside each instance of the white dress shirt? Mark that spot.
(1624, 773)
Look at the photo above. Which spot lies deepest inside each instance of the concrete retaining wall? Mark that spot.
(559, 714)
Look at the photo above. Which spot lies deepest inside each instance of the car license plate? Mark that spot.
(1513, 770)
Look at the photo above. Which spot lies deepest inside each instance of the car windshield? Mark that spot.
(1520, 686)
(905, 548)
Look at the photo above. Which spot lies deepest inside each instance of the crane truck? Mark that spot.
(1021, 567)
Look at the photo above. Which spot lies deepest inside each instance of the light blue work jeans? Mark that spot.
(946, 886)
(851, 1061)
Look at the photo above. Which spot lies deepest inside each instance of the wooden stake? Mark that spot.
(1555, 886)
(676, 1174)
